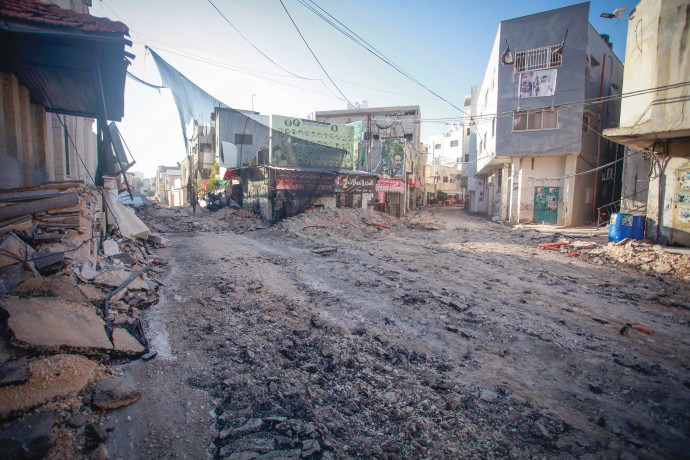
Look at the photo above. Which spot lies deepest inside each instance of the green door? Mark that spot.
(546, 204)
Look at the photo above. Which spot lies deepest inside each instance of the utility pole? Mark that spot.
(369, 136)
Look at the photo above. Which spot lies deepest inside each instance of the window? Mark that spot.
(445, 179)
(437, 146)
(408, 137)
(467, 158)
(468, 131)
(531, 120)
(586, 122)
(453, 143)
(244, 139)
(538, 58)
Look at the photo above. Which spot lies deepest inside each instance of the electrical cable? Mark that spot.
(255, 47)
(317, 59)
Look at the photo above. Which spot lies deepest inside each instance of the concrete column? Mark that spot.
(38, 118)
(12, 172)
(59, 146)
(90, 148)
(27, 135)
(50, 146)
(569, 188)
(505, 192)
(516, 192)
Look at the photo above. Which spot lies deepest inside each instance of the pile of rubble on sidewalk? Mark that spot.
(185, 219)
(350, 222)
(634, 253)
(76, 270)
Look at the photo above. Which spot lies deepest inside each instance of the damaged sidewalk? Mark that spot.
(77, 269)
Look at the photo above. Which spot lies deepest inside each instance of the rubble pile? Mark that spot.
(72, 291)
(353, 223)
(638, 254)
(185, 219)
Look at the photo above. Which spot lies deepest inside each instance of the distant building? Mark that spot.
(446, 150)
(165, 184)
(536, 139)
(383, 128)
(656, 122)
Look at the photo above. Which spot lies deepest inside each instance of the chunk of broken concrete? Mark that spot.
(13, 249)
(60, 287)
(50, 378)
(125, 258)
(114, 278)
(92, 293)
(14, 372)
(110, 248)
(52, 324)
(125, 344)
(30, 437)
(114, 393)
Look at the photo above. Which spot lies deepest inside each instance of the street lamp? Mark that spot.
(616, 14)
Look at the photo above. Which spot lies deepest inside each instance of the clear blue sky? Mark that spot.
(442, 43)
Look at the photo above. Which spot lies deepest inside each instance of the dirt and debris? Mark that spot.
(345, 333)
(443, 336)
(61, 253)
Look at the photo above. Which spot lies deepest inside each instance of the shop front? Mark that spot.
(389, 196)
(352, 190)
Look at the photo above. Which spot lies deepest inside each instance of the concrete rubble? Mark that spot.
(63, 249)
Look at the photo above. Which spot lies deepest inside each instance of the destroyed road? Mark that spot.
(323, 337)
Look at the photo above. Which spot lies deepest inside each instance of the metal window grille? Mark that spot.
(538, 58)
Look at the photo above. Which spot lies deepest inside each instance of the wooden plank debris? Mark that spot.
(27, 195)
(59, 201)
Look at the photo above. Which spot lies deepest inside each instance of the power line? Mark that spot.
(317, 59)
(254, 46)
(363, 43)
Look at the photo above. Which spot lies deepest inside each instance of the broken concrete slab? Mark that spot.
(13, 250)
(87, 272)
(54, 286)
(110, 248)
(14, 372)
(126, 259)
(114, 278)
(49, 324)
(92, 293)
(50, 378)
(125, 344)
(114, 393)
(30, 437)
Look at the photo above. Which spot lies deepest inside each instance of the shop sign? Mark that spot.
(389, 185)
(413, 182)
(352, 183)
(304, 182)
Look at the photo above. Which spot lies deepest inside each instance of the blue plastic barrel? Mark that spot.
(620, 227)
(637, 228)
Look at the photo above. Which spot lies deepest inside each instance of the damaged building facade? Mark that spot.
(390, 146)
(537, 118)
(55, 88)
(654, 123)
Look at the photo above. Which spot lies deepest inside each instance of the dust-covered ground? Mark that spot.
(445, 336)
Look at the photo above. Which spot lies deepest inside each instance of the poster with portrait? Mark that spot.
(392, 157)
(537, 83)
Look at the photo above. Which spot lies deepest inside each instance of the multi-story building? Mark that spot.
(403, 187)
(537, 120)
(655, 121)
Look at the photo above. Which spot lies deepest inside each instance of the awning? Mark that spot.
(71, 63)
